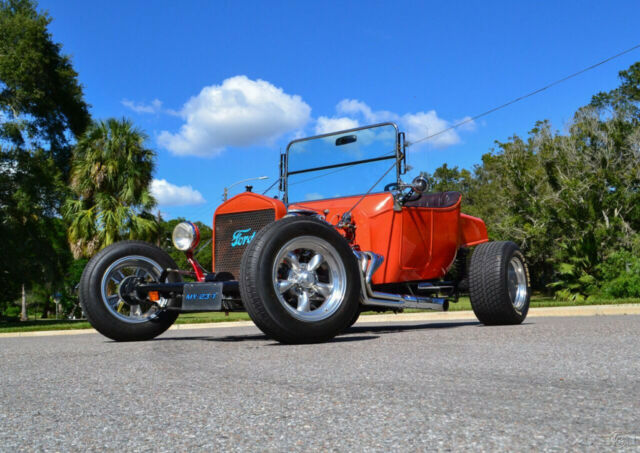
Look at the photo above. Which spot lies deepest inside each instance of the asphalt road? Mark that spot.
(552, 383)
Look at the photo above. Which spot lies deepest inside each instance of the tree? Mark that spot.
(445, 178)
(514, 198)
(41, 111)
(571, 201)
(110, 177)
(625, 99)
(40, 97)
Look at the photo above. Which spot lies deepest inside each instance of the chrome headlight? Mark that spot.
(185, 236)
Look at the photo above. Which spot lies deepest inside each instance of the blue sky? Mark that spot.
(221, 87)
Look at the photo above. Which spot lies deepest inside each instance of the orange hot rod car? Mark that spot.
(306, 260)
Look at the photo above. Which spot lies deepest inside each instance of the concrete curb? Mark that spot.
(583, 310)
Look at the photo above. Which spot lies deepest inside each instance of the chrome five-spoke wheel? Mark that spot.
(300, 281)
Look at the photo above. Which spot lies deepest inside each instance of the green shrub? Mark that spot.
(573, 283)
(620, 275)
(12, 312)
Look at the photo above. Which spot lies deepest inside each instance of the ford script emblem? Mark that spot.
(242, 237)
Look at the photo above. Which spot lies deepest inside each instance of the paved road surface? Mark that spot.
(553, 383)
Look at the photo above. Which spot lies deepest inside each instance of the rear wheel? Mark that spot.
(299, 281)
(499, 286)
(106, 278)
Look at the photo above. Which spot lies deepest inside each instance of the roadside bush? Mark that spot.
(11, 313)
(620, 275)
(573, 283)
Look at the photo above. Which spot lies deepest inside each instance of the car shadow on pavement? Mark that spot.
(229, 338)
(240, 338)
(395, 328)
(338, 339)
(345, 337)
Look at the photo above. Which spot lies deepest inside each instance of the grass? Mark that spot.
(34, 325)
(42, 324)
(194, 318)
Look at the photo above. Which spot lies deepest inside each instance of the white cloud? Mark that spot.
(140, 107)
(355, 107)
(423, 124)
(416, 125)
(313, 196)
(326, 125)
(239, 112)
(466, 124)
(167, 194)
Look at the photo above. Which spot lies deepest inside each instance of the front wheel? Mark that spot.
(355, 318)
(300, 281)
(102, 283)
(499, 284)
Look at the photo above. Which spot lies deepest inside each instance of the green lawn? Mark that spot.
(193, 318)
(64, 324)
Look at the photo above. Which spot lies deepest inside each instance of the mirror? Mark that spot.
(346, 139)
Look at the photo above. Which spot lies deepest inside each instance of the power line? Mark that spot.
(539, 90)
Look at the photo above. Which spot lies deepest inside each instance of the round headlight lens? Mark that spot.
(185, 236)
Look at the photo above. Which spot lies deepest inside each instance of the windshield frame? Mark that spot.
(284, 157)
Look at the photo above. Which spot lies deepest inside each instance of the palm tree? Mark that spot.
(110, 177)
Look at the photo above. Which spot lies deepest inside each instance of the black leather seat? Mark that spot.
(434, 200)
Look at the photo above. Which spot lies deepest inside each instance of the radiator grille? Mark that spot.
(233, 234)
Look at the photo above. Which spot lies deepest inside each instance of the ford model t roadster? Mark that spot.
(343, 234)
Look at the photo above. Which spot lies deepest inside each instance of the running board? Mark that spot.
(369, 263)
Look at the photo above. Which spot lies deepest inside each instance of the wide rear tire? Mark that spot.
(300, 281)
(98, 291)
(499, 283)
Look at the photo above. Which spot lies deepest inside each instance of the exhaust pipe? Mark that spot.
(369, 263)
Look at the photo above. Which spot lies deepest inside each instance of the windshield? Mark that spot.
(342, 163)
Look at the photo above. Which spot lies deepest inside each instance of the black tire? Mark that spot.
(257, 286)
(355, 318)
(90, 293)
(489, 273)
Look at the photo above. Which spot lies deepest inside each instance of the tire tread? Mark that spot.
(92, 305)
(487, 284)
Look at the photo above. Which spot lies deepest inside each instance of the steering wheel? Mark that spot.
(390, 186)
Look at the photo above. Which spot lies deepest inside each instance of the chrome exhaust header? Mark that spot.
(369, 263)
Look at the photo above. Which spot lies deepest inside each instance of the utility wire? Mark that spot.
(468, 120)
(488, 112)
(539, 90)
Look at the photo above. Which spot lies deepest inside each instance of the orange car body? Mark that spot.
(417, 243)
